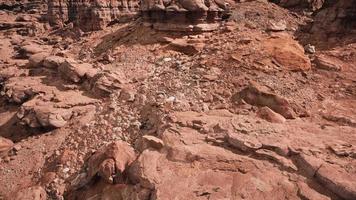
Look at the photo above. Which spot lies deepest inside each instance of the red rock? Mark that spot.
(111, 160)
(90, 16)
(244, 142)
(183, 46)
(255, 94)
(337, 180)
(36, 60)
(74, 71)
(53, 62)
(287, 53)
(148, 141)
(307, 193)
(328, 63)
(269, 115)
(5, 146)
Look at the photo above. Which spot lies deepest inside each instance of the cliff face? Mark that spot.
(90, 15)
(184, 15)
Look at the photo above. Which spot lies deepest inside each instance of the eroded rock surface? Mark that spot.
(185, 15)
(90, 15)
(230, 101)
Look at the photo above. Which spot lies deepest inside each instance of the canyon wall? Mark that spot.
(90, 15)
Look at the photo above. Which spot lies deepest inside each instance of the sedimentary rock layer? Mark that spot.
(90, 15)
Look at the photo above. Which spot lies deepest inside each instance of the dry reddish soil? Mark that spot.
(259, 104)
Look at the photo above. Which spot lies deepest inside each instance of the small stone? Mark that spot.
(277, 26)
(167, 59)
(309, 49)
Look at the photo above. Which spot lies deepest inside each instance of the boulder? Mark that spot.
(104, 83)
(257, 95)
(286, 53)
(269, 115)
(74, 71)
(53, 62)
(111, 161)
(148, 141)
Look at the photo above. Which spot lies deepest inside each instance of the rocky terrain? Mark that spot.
(185, 99)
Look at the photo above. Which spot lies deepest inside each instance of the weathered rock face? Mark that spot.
(184, 15)
(337, 17)
(90, 15)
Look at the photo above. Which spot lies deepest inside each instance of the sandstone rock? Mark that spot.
(255, 94)
(75, 71)
(54, 111)
(277, 26)
(172, 16)
(286, 52)
(90, 16)
(148, 141)
(20, 89)
(243, 142)
(284, 162)
(28, 50)
(111, 161)
(269, 115)
(143, 170)
(308, 164)
(337, 180)
(328, 63)
(36, 60)
(31, 193)
(305, 192)
(104, 83)
(5, 146)
(123, 192)
(53, 62)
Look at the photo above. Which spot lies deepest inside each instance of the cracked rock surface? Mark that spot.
(177, 100)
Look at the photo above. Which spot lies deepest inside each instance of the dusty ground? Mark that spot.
(243, 112)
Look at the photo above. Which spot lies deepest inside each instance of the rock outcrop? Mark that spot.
(90, 15)
(184, 15)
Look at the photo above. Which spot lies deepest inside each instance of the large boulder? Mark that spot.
(286, 52)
